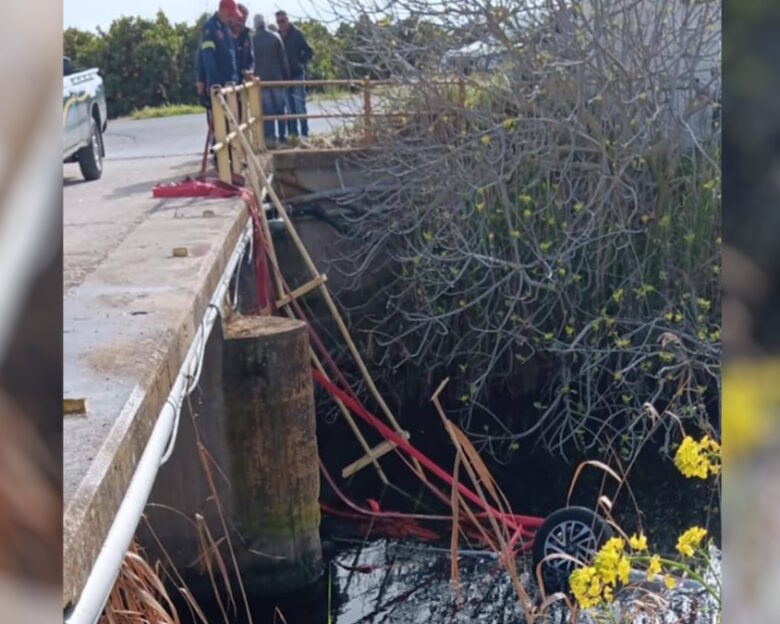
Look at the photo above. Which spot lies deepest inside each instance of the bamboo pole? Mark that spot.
(256, 176)
(254, 181)
(324, 292)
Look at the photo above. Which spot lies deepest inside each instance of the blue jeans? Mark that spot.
(296, 105)
(273, 104)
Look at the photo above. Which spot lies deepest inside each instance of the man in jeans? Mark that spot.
(270, 64)
(299, 52)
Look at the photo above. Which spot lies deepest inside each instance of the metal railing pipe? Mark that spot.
(106, 568)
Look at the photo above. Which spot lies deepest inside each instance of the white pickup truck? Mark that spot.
(84, 119)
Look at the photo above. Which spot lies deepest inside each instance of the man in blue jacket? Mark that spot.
(218, 62)
(299, 53)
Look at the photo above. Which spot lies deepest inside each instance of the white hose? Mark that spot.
(159, 447)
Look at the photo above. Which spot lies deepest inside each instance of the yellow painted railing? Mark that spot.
(245, 102)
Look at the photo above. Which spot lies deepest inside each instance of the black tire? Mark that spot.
(576, 531)
(91, 156)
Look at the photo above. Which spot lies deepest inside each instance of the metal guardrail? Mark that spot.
(246, 103)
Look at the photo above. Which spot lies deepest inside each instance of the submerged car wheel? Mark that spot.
(574, 531)
(91, 156)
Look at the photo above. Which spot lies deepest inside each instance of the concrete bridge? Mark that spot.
(142, 277)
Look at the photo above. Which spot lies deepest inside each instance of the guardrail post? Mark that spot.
(236, 150)
(256, 100)
(368, 135)
(220, 138)
(243, 109)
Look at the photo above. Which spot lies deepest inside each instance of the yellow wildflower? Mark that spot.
(624, 570)
(670, 582)
(654, 568)
(608, 560)
(698, 459)
(688, 540)
(582, 582)
(638, 542)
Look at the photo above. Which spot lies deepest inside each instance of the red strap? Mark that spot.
(189, 187)
(217, 189)
(512, 521)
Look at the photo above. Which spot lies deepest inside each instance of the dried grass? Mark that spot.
(481, 478)
(139, 595)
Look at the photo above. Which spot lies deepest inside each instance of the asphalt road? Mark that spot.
(99, 215)
(186, 135)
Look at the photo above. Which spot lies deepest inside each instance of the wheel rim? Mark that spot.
(573, 538)
(96, 148)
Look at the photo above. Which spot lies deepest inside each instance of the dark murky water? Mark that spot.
(370, 577)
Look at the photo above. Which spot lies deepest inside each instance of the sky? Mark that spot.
(89, 14)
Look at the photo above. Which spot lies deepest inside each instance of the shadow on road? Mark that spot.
(188, 168)
(69, 181)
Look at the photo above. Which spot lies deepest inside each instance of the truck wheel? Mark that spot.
(90, 157)
(573, 531)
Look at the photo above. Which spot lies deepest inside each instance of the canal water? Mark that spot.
(376, 572)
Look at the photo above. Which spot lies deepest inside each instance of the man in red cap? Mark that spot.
(218, 62)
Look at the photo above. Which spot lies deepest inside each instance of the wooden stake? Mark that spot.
(375, 453)
(301, 290)
(75, 406)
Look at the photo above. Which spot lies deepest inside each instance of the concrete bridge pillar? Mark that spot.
(271, 437)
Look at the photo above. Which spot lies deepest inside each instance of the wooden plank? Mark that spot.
(302, 290)
(375, 453)
(75, 406)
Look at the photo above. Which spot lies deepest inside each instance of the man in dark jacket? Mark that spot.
(299, 53)
(218, 64)
(245, 57)
(215, 63)
(270, 64)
